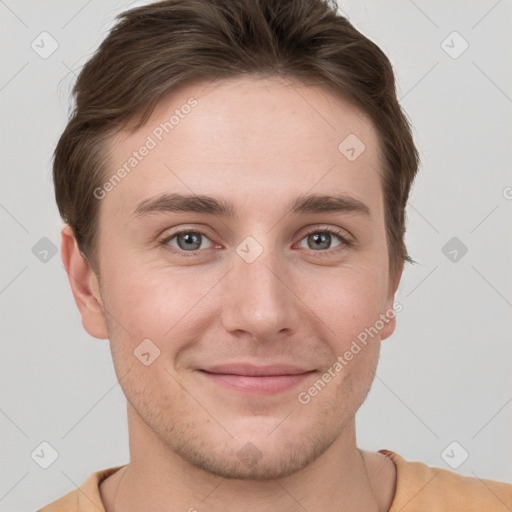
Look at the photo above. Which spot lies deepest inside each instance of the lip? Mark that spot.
(248, 378)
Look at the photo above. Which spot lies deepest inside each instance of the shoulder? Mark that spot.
(422, 488)
(86, 498)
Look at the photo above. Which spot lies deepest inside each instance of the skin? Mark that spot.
(259, 143)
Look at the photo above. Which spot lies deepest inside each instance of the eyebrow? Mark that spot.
(185, 203)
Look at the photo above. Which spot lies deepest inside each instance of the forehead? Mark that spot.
(256, 138)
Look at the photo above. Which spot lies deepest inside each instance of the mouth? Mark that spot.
(254, 379)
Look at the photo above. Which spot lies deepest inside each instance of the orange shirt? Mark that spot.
(419, 488)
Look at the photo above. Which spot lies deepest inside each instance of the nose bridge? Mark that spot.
(257, 300)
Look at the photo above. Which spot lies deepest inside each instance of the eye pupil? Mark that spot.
(320, 240)
(191, 241)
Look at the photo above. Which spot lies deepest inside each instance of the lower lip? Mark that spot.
(266, 385)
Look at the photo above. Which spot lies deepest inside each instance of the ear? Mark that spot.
(390, 310)
(84, 285)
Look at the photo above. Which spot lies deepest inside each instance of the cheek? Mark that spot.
(348, 301)
(151, 301)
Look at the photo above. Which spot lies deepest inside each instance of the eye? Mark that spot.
(188, 241)
(323, 239)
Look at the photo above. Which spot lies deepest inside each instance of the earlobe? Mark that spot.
(84, 285)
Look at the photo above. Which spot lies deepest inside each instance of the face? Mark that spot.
(250, 291)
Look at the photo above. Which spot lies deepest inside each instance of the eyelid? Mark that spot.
(322, 228)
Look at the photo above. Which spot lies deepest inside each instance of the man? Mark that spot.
(234, 181)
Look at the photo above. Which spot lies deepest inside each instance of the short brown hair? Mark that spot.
(154, 48)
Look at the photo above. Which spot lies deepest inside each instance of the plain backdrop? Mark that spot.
(444, 376)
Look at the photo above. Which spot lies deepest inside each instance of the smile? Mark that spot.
(256, 379)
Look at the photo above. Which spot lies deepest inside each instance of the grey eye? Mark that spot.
(188, 240)
(320, 240)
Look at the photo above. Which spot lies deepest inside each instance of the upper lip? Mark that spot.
(256, 370)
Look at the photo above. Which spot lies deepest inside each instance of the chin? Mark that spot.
(252, 463)
(253, 450)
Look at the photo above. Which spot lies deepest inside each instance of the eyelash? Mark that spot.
(345, 243)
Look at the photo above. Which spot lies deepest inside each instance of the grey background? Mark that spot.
(444, 375)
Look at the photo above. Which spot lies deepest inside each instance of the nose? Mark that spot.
(259, 299)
